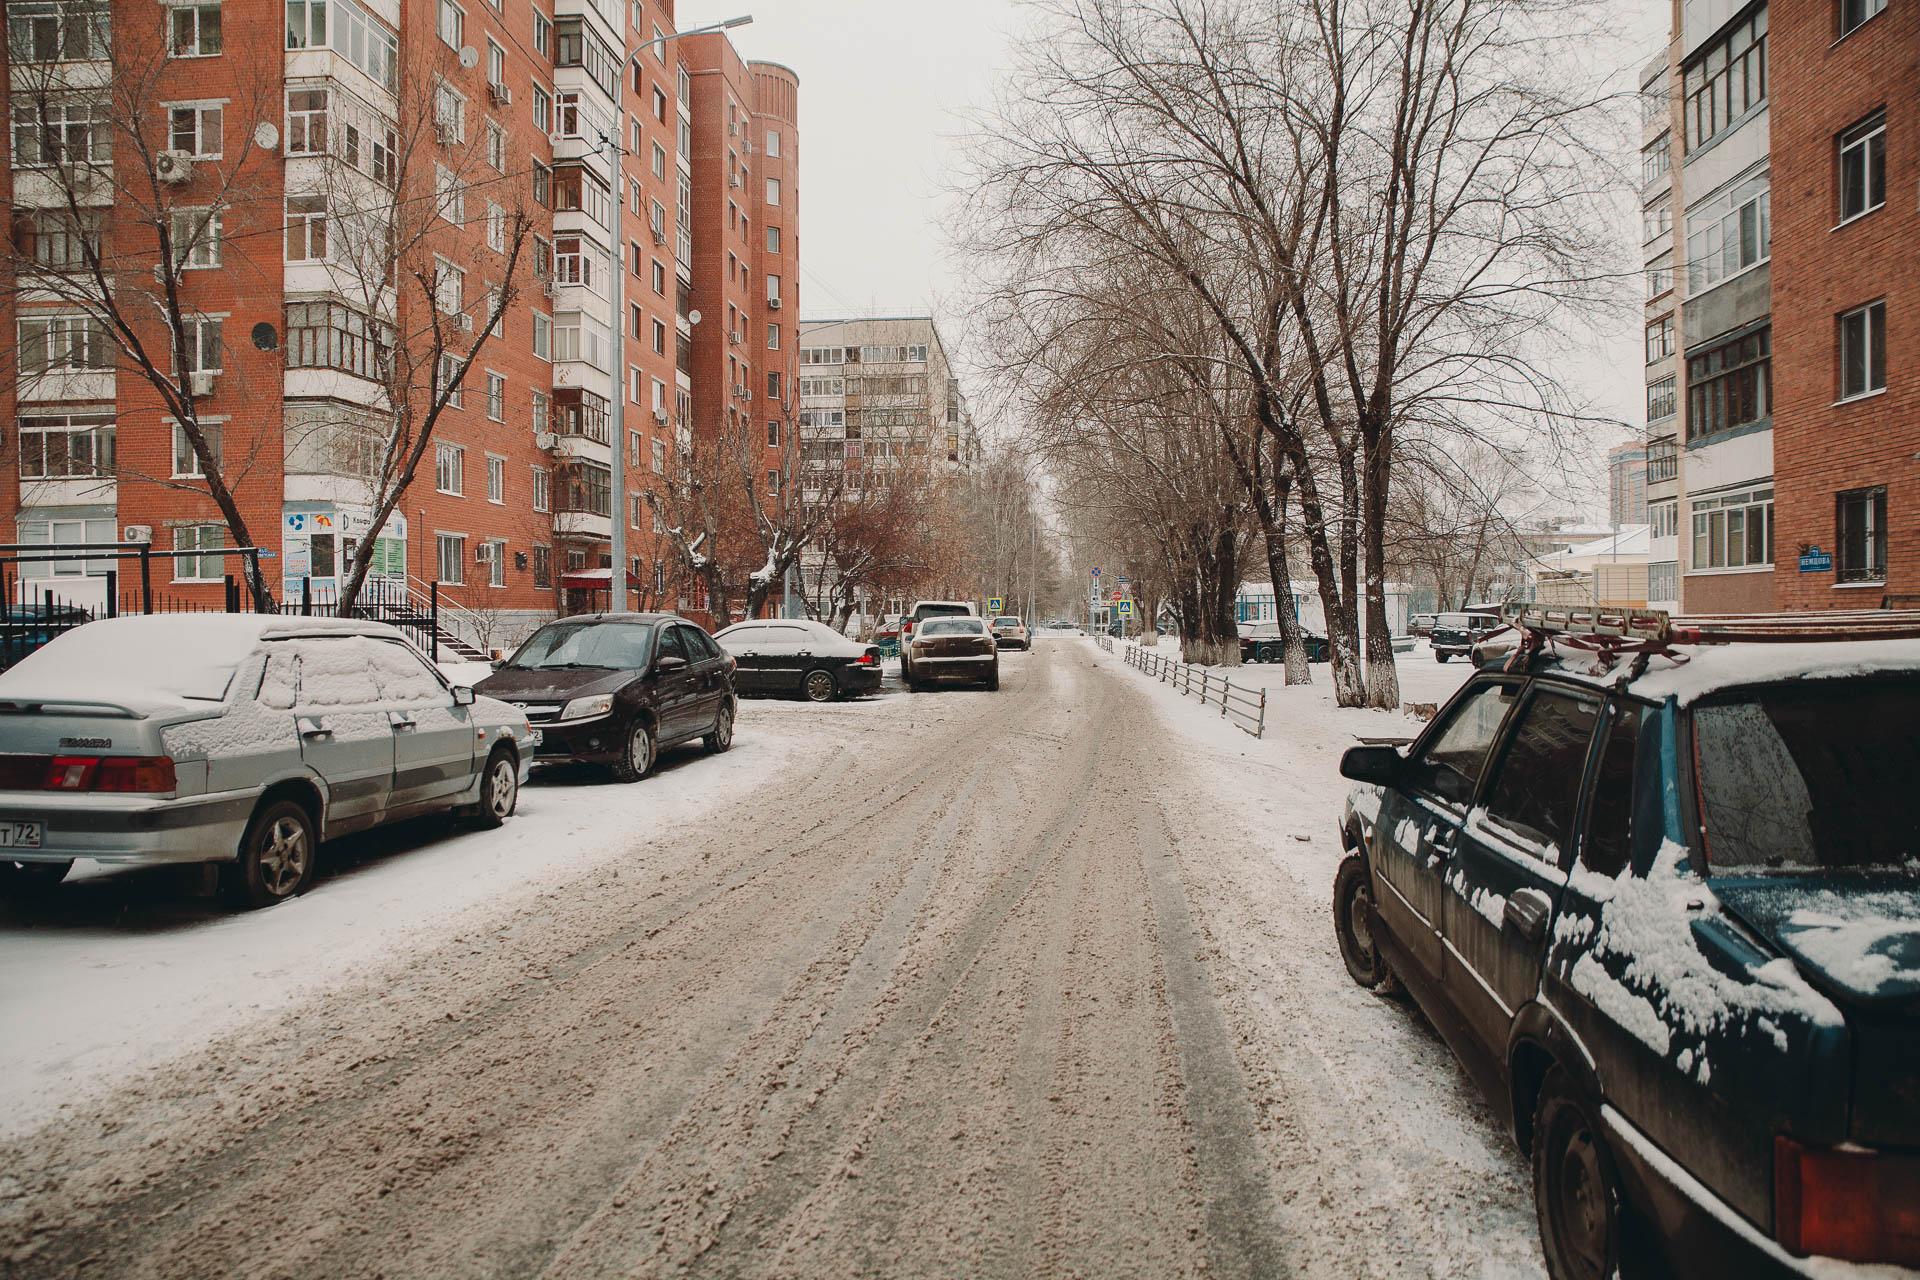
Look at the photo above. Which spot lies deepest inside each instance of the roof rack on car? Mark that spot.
(1609, 633)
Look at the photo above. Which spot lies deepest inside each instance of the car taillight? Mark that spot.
(1846, 1202)
(110, 773)
(869, 659)
(906, 628)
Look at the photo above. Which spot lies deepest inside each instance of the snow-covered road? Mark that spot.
(1031, 983)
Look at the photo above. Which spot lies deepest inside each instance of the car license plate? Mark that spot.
(19, 835)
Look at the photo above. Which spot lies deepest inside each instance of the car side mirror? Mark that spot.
(668, 662)
(462, 696)
(1378, 765)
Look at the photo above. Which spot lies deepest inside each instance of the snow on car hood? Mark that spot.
(1855, 934)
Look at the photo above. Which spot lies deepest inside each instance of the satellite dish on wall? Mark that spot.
(469, 57)
(266, 136)
(264, 337)
(693, 317)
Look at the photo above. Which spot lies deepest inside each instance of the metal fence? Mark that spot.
(1105, 642)
(1243, 707)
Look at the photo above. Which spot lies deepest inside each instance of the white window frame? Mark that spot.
(1873, 316)
(202, 254)
(450, 22)
(198, 13)
(542, 489)
(457, 542)
(201, 110)
(497, 479)
(1867, 136)
(449, 469)
(194, 568)
(496, 396)
(186, 463)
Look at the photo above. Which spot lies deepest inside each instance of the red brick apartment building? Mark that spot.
(280, 113)
(1845, 79)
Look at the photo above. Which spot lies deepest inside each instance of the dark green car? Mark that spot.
(1669, 918)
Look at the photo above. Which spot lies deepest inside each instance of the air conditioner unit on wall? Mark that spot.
(500, 93)
(660, 416)
(173, 166)
(546, 440)
(773, 304)
(200, 382)
(141, 533)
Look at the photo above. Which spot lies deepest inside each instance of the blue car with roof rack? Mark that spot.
(1657, 883)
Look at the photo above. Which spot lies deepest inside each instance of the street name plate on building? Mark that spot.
(1814, 560)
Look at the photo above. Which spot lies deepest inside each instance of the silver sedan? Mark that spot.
(237, 739)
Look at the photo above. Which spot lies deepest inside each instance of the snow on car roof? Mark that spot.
(1710, 668)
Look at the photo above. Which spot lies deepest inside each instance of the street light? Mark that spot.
(610, 144)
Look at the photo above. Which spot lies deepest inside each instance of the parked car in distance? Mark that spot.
(1667, 914)
(1493, 648)
(619, 688)
(1010, 632)
(797, 655)
(244, 740)
(1260, 642)
(1421, 624)
(922, 610)
(1454, 634)
(946, 647)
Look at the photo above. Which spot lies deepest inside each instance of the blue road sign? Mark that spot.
(1814, 560)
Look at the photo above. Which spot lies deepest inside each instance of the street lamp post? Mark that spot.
(617, 586)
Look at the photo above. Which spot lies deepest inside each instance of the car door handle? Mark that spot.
(312, 727)
(403, 722)
(1527, 912)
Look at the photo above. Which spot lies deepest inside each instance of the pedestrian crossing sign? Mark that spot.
(1124, 608)
(996, 604)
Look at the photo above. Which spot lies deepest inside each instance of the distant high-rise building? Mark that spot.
(1627, 484)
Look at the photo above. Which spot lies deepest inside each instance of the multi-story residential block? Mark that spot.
(880, 393)
(298, 142)
(1627, 484)
(1845, 81)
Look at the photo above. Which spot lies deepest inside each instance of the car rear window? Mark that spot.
(953, 627)
(940, 611)
(1808, 776)
(180, 657)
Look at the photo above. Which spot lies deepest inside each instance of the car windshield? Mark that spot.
(952, 627)
(615, 646)
(1809, 776)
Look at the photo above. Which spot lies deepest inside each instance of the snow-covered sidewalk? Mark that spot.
(1385, 1157)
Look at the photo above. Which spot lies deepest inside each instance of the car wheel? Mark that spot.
(276, 857)
(820, 686)
(26, 879)
(1440, 657)
(636, 761)
(1576, 1190)
(993, 679)
(1353, 926)
(722, 736)
(499, 788)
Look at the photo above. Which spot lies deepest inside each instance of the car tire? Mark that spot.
(1576, 1186)
(1440, 657)
(993, 679)
(820, 685)
(721, 739)
(637, 757)
(30, 879)
(1352, 927)
(277, 857)
(499, 789)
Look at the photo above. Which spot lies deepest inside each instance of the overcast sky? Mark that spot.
(885, 86)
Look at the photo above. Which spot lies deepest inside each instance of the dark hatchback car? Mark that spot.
(1455, 634)
(1669, 919)
(797, 655)
(618, 689)
(1260, 642)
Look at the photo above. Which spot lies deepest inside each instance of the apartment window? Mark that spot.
(1729, 233)
(659, 457)
(773, 435)
(1660, 339)
(496, 396)
(542, 568)
(773, 239)
(496, 63)
(496, 147)
(773, 191)
(330, 335)
(453, 24)
(659, 342)
(659, 104)
(1730, 385)
(194, 30)
(57, 240)
(773, 386)
(496, 228)
(186, 462)
(496, 478)
(307, 228)
(773, 143)
(1860, 535)
(1663, 581)
(496, 562)
(1734, 531)
(1656, 220)
(1726, 81)
(63, 130)
(659, 162)
(1660, 276)
(1863, 167)
(205, 352)
(659, 279)
(450, 557)
(543, 335)
(1656, 158)
(66, 446)
(209, 538)
(63, 344)
(449, 469)
(542, 109)
(541, 411)
(542, 185)
(1663, 461)
(196, 129)
(450, 195)
(542, 34)
(1663, 521)
(773, 337)
(1863, 350)
(449, 371)
(449, 286)
(449, 112)
(307, 122)
(58, 31)
(636, 383)
(659, 396)
(1855, 12)
(542, 489)
(773, 289)
(196, 238)
(1661, 398)
(349, 30)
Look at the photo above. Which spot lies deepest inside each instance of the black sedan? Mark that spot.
(1260, 642)
(1668, 916)
(618, 689)
(797, 656)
